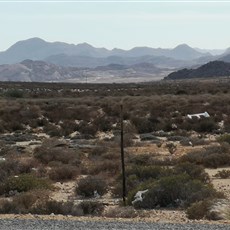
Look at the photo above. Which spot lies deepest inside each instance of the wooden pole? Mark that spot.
(123, 159)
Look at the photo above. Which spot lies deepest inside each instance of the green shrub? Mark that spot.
(176, 190)
(144, 173)
(15, 93)
(193, 170)
(169, 190)
(139, 187)
(24, 183)
(139, 177)
(87, 186)
(224, 138)
(205, 125)
(132, 183)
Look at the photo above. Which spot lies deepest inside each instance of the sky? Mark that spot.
(118, 24)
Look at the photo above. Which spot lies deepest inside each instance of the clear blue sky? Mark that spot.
(118, 24)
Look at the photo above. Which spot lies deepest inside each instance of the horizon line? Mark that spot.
(115, 1)
(125, 49)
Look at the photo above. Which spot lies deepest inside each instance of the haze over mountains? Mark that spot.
(58, 61)
(38, 49)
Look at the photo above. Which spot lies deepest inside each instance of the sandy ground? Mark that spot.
(65, 191)
(222, 185)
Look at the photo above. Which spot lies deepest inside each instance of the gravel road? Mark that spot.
(27, 224)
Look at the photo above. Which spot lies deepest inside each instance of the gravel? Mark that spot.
(36, 224)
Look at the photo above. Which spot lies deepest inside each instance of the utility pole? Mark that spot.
(123, 159)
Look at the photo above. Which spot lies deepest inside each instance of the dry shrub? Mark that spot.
(143, 125)
(87, 186)
(106, 166)
(213, 157)
(23, 202)
(64, 172)
(91, 207)
(26, 165)
(53, 130)
(86, 128)
(141, 159)
(9, 207)
(56, 207)
(121, 212)
(68, 127)
(69, 208)
(14, 166)
(199, 210)
(98, 151)
(223, 174)
(55, 150)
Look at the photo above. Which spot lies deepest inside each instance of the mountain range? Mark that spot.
(38, 60)
(40, 71)
(38, 49)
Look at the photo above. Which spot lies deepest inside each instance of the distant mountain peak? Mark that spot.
(85, 45)
(185, 52)
(183, 46)
(34, 40)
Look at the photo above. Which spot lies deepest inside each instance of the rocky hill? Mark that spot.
(209, 70)
(40, 71)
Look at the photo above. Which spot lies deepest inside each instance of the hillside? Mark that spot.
(40, 71)
(225, 58)
(209, 70)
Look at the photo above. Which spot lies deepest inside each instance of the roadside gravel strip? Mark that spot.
(28, 224)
